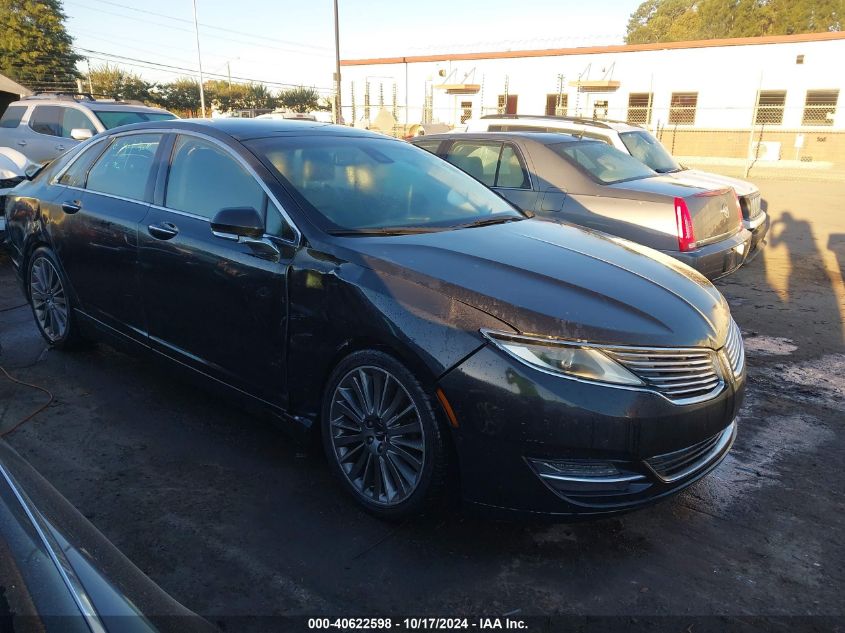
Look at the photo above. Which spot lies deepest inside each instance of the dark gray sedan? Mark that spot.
(592, 184)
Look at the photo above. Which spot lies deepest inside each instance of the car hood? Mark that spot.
(715, 181)
(559, 280)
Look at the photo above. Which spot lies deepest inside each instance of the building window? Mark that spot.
(600, 110)
(682, 108)
(639, 108)
(820, 107)
(466, 111)
(770, 107)
(507, 104)
(556, 104)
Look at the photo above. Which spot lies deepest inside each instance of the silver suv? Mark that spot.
(46, 124)
(642, 145)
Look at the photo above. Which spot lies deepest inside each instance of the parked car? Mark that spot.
(58, 573)
(44, 125)
(642, 145)
(14, 167)
(586, 182)
(434, 336)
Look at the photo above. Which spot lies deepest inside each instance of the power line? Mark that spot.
(179, 69)
(179, 28)
(210, 26)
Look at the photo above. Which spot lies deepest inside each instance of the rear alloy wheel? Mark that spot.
(50, 301)
(381, 435)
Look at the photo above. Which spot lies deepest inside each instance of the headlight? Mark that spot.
(564, 358)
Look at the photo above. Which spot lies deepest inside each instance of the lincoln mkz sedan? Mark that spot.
(432, 336)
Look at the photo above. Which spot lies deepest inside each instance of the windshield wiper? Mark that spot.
(395, 230)
(488, 221)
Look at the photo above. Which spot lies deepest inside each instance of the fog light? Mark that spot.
(587, 477)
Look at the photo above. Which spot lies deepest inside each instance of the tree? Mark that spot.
(676, 20)
(181, 95)
(35, 48)
(111, 81)
(300, 99)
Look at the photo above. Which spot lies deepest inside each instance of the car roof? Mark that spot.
(543, 138)
(247, 129)
(91, 104)
(553, 120)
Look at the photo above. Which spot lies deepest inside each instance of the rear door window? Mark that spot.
(12, 116)
(47, 120)
(477, 158)
(125, 168)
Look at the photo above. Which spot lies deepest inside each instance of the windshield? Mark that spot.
(361, 184)
(647, 149)
(116, 118)
(602, 162)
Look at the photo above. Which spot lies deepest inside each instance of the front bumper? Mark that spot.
(517, 425)
(718, 259)
(759, 228)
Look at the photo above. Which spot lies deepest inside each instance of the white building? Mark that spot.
(787, 82)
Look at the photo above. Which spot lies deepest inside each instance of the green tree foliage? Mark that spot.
(181, 96)
(300, 99)
(111, 81)
(35, 48)
(678, 20)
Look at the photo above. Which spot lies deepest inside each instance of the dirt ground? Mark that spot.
(232, 519)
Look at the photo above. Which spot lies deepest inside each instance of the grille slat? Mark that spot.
(679, 374)
(752, 205)
(687, 461)
(735, 350)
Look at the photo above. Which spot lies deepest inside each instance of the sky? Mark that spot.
(286, 42)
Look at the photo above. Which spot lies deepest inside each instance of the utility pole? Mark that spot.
(199, 58)
(90, 85)
(339, 115)
(229, 72)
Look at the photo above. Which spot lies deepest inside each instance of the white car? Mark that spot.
(13, 170)
(642, 145)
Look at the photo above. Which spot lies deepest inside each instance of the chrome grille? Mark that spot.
(751, 205)
(682, 375)
(686, 461)
(735, 350)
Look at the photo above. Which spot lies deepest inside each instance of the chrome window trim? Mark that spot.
(297, 233)
(107, 195)
(69, 577)
(491, 336)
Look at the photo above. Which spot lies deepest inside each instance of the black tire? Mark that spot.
(48, 294)
(394, 451)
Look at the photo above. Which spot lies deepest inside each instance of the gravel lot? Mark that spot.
(231, 518)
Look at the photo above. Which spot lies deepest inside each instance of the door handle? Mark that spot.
(71, 206)
(22, 143)
(163, 230)
(61, 148)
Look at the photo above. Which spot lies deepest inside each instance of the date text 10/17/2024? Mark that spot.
(415, 624)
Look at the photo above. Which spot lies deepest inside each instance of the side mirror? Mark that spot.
(235, 222)
(81, 134)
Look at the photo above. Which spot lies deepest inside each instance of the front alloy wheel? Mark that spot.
(381, 435)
